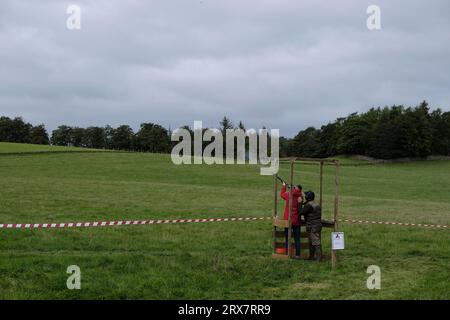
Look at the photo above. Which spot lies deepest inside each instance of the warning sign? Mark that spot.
(337, 240)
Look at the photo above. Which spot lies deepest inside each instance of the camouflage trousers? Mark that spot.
(314, 236)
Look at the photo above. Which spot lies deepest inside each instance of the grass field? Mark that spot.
(10, 147)
(211, 260)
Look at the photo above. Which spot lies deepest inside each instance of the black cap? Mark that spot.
(309, 195)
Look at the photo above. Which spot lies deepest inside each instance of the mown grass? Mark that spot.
(212, 260)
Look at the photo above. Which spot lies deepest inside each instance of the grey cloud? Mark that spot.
(282, 64)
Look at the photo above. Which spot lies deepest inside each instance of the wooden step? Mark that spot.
(280, 256)
(280, 234)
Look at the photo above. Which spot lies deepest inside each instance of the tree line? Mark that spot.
(17, 130)
(383, 133)
(149, 138)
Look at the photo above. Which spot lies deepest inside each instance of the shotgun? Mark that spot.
(282, 180)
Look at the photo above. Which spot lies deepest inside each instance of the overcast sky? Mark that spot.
(282, 64)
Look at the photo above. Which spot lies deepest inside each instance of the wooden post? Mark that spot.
(291, 182)
(275, 185)
(336, 197)
(274, 228)
(321, 184)
(321, 189)
(336, 208)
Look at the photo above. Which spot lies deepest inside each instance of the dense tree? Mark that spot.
(384, 142)
(62, 136)
(15, 130)
(77, 137)
(385, 133)
(153, 138)
(446, 135)
(94, 137)
(417, 131)
(285, 147)
(39, 135)
(6, 129)
(122, 138)
(109, 136)
(306, 144)
(328, 139)
(353, 135)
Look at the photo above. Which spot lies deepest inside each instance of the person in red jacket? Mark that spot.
(296, 194)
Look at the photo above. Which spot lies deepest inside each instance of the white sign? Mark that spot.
(337, 240)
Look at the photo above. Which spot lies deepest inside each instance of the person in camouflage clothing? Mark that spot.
(312, 214)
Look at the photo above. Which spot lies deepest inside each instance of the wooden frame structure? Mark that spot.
(281, 223)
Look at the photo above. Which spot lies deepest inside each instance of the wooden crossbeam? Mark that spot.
(303, 245)
(279, 223)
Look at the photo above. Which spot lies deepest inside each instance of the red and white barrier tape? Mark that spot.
(406, 224)
(143, 222)
(117, 223)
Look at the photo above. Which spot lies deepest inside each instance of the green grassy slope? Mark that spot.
(10, 147)
(219, 260)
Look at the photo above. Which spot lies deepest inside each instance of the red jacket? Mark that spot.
(295, 195)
